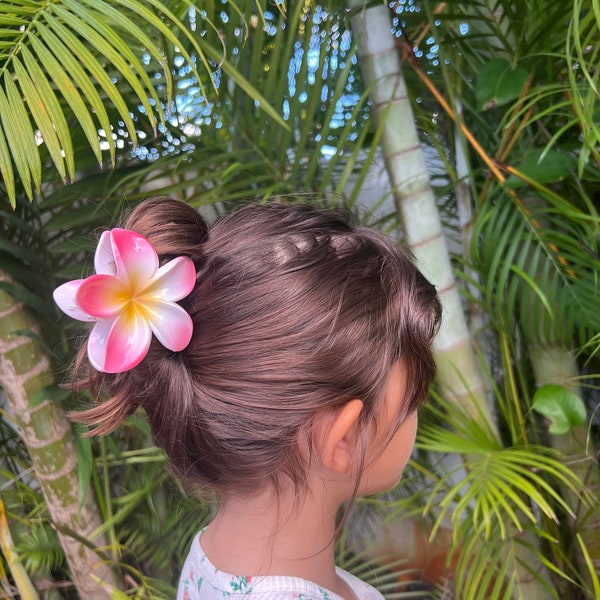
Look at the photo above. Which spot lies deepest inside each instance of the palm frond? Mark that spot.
(533, 256)
(72, 60)
(500, 503)
(40, 549)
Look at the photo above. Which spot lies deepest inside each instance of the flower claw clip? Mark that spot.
(130, 298)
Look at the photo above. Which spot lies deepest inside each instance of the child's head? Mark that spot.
(295, 312)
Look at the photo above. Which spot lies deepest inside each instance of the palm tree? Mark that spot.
(381, 64)
(458, 371)
(532, 209)
(27, 380)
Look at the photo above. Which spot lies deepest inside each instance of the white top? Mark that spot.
(201, 580)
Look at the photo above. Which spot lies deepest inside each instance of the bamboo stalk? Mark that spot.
(458, 372)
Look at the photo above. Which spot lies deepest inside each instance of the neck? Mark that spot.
(267, 534)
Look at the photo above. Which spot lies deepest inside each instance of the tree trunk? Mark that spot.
(25, 372)
(458, 372)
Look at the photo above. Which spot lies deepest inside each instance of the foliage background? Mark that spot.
(106, 102)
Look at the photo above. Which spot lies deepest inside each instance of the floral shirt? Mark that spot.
(201, 580)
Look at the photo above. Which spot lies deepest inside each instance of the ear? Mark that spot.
(337, 437)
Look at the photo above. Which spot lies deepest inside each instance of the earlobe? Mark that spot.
(338, 437)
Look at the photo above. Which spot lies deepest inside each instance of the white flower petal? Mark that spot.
(97, 343)
(104, 259)
(173, 281)
(64, 296)
(170, 323)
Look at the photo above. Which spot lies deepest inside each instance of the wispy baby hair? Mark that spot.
(295, 311)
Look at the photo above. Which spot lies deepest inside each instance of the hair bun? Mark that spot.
(171, 226)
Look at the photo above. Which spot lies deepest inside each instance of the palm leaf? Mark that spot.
(501, 498)
(40, 549)
(521, 261)
(87, 60)
(13, 139)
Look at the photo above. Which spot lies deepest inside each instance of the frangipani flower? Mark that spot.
(130, 298)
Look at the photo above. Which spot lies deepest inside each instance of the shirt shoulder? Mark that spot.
(361, 589)
(201, 580)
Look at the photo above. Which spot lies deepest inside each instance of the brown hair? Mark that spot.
(295, 311)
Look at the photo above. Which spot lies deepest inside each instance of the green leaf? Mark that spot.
(83, 216)
(542, 167)
(24, 131)
(17, 250)
(498, 84)
(97, 70)
(51, 392)
(110, 45)
(593, 572)
(79, 77)
(70, 92)
(40, 550)
(6, 169)
(21, 294)
(85, 462)
(245, 85)
(52, 106)
(563, 408)
(42, 118)
(13, 140)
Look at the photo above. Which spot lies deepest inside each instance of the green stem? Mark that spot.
(24, 584)
(107, 496)
(515, 419)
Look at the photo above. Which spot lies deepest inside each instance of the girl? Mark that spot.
(280, 355)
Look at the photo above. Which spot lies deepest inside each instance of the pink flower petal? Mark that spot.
(102, 296)
(170, 323)
(104, 259)
(173, 281)
(127, 343)
(135, 258)
(64, 296)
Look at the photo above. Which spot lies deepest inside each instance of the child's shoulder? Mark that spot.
(201, 580)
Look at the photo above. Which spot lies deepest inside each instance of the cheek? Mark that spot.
(403, 442)
(385, 471)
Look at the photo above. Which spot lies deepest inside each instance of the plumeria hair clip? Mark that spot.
(130, 297)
